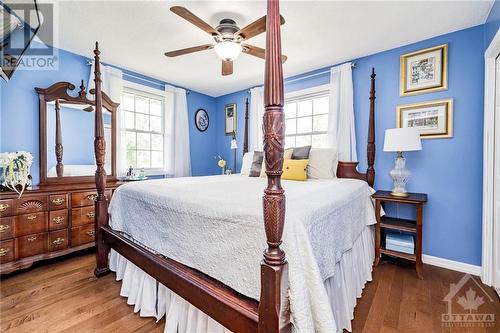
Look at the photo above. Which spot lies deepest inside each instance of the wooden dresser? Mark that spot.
(46, 223)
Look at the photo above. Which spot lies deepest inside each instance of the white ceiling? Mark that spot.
(134, 35)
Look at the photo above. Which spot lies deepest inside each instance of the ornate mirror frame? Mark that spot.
(59, 92)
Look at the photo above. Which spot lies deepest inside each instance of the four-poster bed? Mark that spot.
(236, 311)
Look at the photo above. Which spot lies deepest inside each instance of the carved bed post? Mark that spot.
(273, 306)
(349, 169)
(59, 145)
(370, 151)
(245, 138)
(101, 204)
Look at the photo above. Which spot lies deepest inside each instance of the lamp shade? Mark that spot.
(402, 139)
(233, 144)
(228, 50)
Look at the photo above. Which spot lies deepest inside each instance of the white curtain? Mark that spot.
(112, 85)
(256, 113)
(341, 130)
(177, 150)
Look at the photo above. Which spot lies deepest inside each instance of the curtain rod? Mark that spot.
(353, 65)
(89, 63)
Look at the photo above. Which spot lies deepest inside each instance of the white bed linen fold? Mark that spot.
(207, 222)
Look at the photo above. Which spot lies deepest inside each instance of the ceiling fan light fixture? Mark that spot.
(228, 50)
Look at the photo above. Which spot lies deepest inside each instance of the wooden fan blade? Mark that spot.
(255, 28)
(190, 17)
(227, 67)
(188, 50)
(258, 52)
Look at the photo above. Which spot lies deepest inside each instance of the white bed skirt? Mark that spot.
(152, 299)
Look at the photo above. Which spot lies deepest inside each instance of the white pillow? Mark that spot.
(322, 163)
(247, 163)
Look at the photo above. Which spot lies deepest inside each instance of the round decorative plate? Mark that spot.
(201, 120)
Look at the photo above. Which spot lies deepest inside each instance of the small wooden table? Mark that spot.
(412, 226)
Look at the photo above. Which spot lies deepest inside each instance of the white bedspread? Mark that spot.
(215, 225)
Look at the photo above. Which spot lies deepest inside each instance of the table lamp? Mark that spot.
(400, 140)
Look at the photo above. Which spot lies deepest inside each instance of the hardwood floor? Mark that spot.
(64, 296)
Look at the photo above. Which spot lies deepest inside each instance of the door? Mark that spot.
(496, 185)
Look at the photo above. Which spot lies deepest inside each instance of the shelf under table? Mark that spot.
(398, 224)
(398, 254)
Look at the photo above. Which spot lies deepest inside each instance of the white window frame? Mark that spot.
(321, 90)
(149, 92)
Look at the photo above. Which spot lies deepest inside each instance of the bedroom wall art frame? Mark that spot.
(230, 118)
(201, 120)
(434, 119)
(424, 71)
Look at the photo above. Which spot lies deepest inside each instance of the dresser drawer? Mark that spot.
(82, 235)
(58, 201)
(30, 204)
(31, 245)
(7, 227)
(6, 207)
(58, 219)
(84, 215)
(6, 251)
(58, 240)
(31, 223)
(81, 199)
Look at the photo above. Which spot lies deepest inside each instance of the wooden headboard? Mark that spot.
(346, 169)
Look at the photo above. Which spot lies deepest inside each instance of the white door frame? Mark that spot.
(488, 257)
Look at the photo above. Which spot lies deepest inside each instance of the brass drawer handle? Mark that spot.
(58, 219)
(4, 227)
(3, 252)
(92, 197)
(58, 241)
(32, 217)
(91, 215)
(58, 201)
(90, 233)
(32, 238)
(3, 207)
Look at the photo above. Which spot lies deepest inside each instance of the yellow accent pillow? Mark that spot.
(295, 169)
(286, 155)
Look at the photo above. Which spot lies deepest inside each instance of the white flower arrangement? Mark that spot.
(15, 170)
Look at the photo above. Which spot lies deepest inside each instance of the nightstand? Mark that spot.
(408, 226)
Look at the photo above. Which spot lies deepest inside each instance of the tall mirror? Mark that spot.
(67, 135)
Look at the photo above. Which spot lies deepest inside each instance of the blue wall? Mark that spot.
(19, 122)
(492, 23)
(223, 142)
(449, 170)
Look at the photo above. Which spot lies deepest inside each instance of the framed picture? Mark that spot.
(230, 117)
(433, 119)
(424, 71)
(201, 120)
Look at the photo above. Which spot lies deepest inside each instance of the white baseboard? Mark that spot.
(453, 265)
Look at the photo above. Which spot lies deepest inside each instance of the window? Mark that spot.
(144, 129)
(307, 120)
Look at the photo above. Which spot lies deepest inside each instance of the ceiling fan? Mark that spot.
(228, 38)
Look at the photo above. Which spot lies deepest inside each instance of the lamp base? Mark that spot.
(400, 194)
(400, 176)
